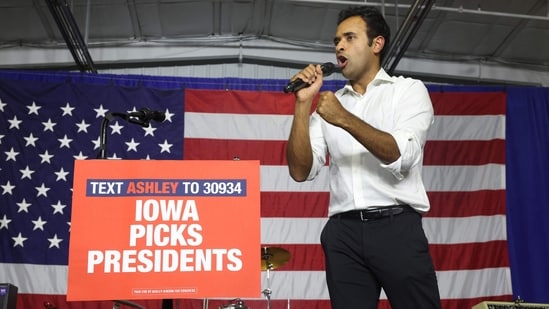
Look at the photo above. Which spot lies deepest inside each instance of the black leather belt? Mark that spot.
(374, 213)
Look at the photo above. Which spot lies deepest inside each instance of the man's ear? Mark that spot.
(378, 44)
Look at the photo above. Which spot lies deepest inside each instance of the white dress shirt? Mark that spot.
(358, 180)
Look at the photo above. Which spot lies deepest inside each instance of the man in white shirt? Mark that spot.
(373, 130)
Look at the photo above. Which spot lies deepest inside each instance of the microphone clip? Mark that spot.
(143, 117)
(137, 120)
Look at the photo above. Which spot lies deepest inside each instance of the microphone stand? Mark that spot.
(166, 303)
(103, 130)
(267, 292)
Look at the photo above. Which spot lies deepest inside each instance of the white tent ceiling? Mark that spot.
(463, 41)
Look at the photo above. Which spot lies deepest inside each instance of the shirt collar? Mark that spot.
(380, 78)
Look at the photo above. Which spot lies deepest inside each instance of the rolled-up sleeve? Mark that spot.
(318, 146)
(410, 153)
(415, 117)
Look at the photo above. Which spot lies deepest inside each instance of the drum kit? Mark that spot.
(271, 259)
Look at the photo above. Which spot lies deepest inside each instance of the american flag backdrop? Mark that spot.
(464, 173)
(45, 126)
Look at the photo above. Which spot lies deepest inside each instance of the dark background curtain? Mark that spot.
(528, 191)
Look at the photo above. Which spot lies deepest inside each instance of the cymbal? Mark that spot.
(273, 257)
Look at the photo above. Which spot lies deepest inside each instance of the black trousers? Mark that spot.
(390, 253)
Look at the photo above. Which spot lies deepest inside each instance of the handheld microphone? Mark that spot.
(146, 115)
(327, 69)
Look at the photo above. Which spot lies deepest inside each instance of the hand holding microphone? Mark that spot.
(295, 85)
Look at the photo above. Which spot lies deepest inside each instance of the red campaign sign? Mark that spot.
(146, 229)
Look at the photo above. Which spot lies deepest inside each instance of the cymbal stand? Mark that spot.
(267, 292)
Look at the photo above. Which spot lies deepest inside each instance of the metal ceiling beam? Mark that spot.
(460, 9)
(519, 27)
(411, 24)
(43, 15)
(71, 34)
(134, 19)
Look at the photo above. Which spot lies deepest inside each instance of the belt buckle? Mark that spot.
(378, 213)
(364, 219)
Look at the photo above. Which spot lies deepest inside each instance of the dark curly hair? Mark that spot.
(375, 22)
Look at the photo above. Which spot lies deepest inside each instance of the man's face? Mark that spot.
(354, 56)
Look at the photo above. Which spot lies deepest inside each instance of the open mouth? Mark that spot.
(342, 61)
